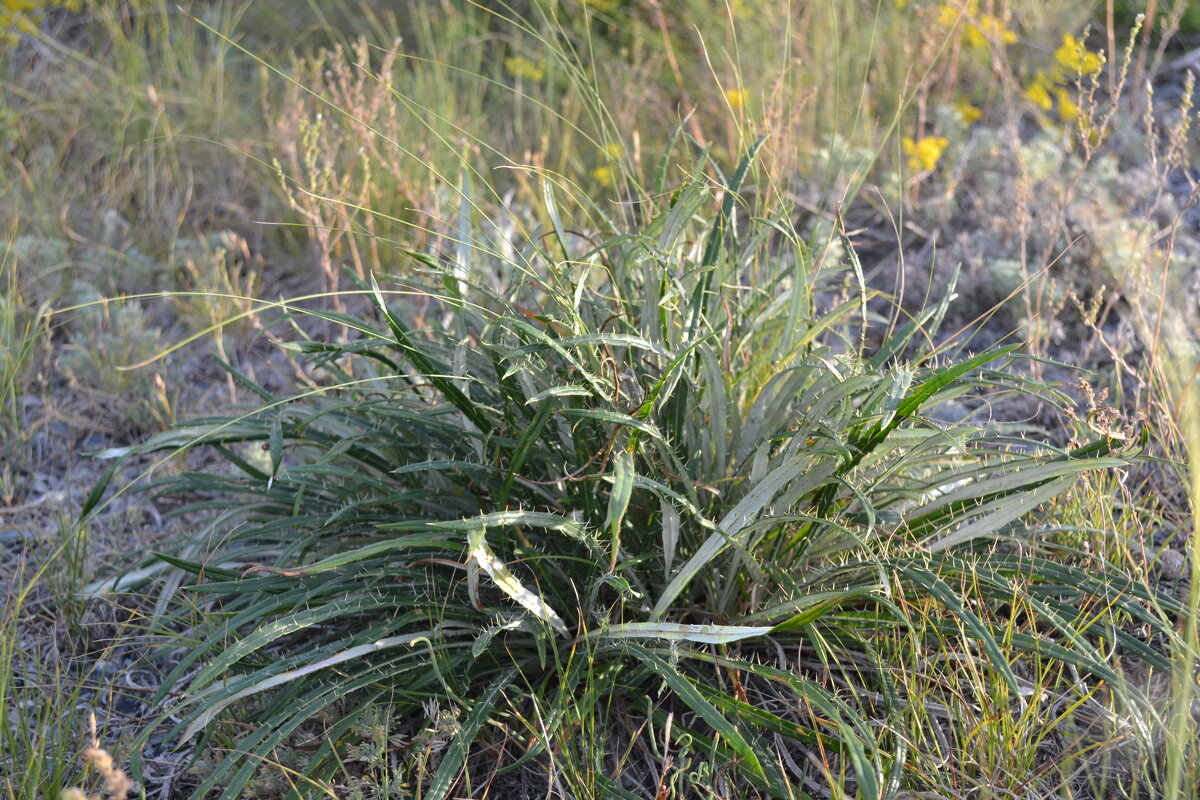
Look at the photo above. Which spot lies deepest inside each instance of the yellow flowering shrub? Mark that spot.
(23, 16)
(1049, 90)
(603, 176)
(1076, 59)
(924, 153)
(988, 29)
(522, 67)
(1053, 84)
(949, 14)
(1038, 92)
(967, 112)
(1068, 109)
(979, 30)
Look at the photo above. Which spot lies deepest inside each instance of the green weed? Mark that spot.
(644, 465)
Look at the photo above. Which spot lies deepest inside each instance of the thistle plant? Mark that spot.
(651, 482)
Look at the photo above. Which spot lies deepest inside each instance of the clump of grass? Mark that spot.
(653, 480)
(117, 122)
(669, 442)
(21, 329)
(55, 665)
(30, 700)
(217, 279)
(1182, 750)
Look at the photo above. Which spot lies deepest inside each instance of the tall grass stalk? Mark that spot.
(1183, 746)
(21, 328)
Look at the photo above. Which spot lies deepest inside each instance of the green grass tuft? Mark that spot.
(647, 465)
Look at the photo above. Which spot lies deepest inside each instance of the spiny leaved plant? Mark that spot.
(605, 501)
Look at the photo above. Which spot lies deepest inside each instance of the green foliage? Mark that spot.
(1188, 14)
(106, 359)
(636, 468)
(616, 475)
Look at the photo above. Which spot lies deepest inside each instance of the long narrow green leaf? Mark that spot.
(1000, 513)
(670, 631)
(618, 498)
(526, 443)
(717, 234)
(508, 583)
(422, 362)
(856, 266)
(738, 518)
(532, 519)
(947, 597)
(687, 692)
(218, 703)
(456, 753)
(589, 340)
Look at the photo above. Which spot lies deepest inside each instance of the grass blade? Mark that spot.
(456, 754)
(691, 696)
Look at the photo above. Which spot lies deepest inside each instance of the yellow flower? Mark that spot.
(737, 98)
(1068, 109)
(613, 150)
(1077, 59)
(603, 6)
(950, 13)
(603, 176)
(924, 153)
(22, 16)
(966, 112)
(1038, 92)
(522, 67)
(989, 29)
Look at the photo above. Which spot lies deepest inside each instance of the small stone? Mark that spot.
(94, 441)
(129, 706)
(1169, 564)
